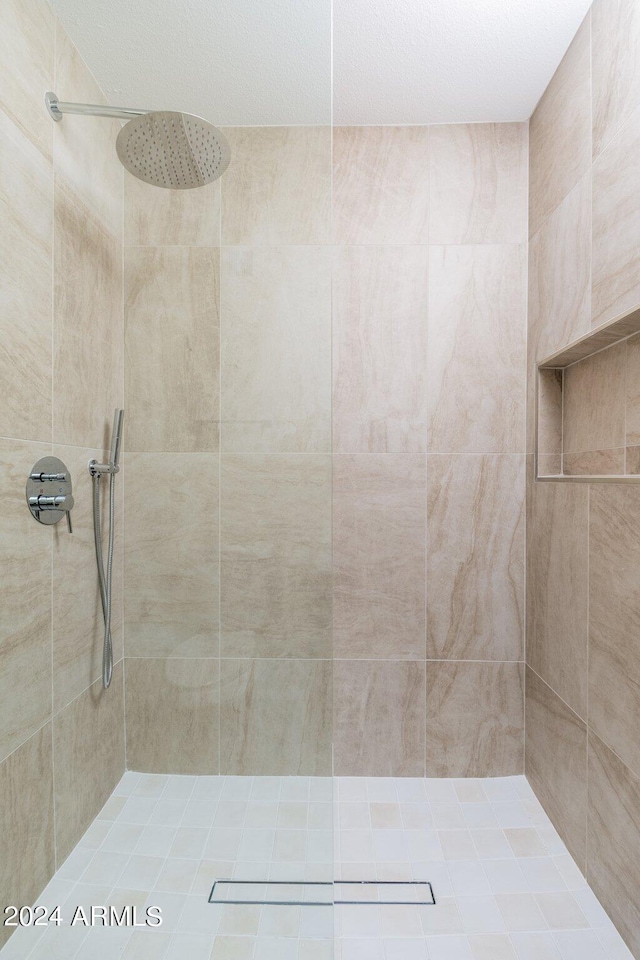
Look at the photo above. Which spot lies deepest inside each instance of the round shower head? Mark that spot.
(173, 150)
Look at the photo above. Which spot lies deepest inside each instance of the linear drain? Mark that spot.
(320, 893)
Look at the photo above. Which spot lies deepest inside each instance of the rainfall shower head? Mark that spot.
(175, 150)
(167, 149)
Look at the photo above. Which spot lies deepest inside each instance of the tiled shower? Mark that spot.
(355, 637)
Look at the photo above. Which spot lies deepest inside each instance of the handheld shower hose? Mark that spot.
(105, 577)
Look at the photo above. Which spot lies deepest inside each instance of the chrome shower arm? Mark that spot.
(57, 108)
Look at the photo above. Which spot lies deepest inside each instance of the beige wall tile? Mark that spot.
(632, 461)
(27, 54)
(171, 562)
(154, 217)
(550, 384)
(549, 464)
(614, 619)
(380, 184)
(556, 763)
(475, 557)
(87, 325)
(88, 744)
(276, 350)
(176, 697)
(275, 717)
(379, 556)
(560, 131)
(632, 390)
(379, 349)
(557, 588)
(615, 67)
(379, 718)
(277, 188)
(26, 303)
(476, 363)
(475, 719)
(616, 223)
(478, 183)
(25, 601)
(594, 402)
(85, 147)
(560, 274)
(78, 625)
(614, 840)
(26, 822)
(275, 548)
(171, 347)
(559, 301)
(596, 462)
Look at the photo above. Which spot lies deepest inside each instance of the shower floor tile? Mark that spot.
(504, 883)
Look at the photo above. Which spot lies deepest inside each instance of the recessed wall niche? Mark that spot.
(588, 407)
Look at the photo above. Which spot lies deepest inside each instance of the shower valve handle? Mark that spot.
(63, 502)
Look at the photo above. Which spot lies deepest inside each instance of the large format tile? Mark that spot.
(87, 366)
(172, 715)
(613, 869)
(594, 402)
(379, 718)
(171, 348)
(616, 224)
(276, 349)
(594, 462)
(25, 601)
(26, 822)
(27, 55)
(556, 763)
(559, 300)
(379, 349)
(154, 217)
(275, 717)
(475, 557)
(550, 382)
(475, 719)
(78, 625)
(378, 556)
(171, 561)
(275, 554)
(85, 147)
(560, 131)
(615, 66)
(88, 743)
(478, 183)
(476, 361)
(380, 184)
(277, 188)
(26, 258)
(614, 619)
(632, 393)
(557, 588)
(560, 274)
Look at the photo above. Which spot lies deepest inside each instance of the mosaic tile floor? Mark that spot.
(505, 886)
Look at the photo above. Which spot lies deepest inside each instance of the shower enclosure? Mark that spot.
(298, 680)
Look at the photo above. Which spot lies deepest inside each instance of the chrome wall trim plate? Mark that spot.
(49, 491)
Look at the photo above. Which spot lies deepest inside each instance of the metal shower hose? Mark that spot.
(105, 582)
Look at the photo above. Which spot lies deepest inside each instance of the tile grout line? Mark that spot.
(526, 471)
(219, 465)
(53, 325)
(589, 486)
(586, 812)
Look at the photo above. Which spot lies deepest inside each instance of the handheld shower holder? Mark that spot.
(97, 469)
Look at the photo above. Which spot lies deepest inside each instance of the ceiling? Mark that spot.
(260, 62)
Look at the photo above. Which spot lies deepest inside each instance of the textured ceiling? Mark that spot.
(269, 61)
